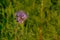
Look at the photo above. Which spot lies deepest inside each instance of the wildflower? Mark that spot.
(21, 16)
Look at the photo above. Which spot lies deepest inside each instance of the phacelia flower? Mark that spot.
(21, 16)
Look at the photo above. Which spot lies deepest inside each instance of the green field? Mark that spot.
(43, 22)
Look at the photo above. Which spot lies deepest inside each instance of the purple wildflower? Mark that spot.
(21, 16)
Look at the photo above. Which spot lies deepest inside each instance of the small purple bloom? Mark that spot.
(21, 16)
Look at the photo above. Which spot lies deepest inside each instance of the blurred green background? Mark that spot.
(43, 15)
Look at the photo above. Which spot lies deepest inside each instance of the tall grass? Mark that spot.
(43, 22)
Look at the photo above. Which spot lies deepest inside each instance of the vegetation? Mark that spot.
(43, 22)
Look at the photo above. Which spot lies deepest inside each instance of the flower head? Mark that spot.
(21, 16)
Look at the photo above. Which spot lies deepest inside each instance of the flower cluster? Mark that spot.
(21, 16)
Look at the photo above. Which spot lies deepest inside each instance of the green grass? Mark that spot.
(43, 14)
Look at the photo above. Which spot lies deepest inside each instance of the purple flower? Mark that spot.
(21, 16)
